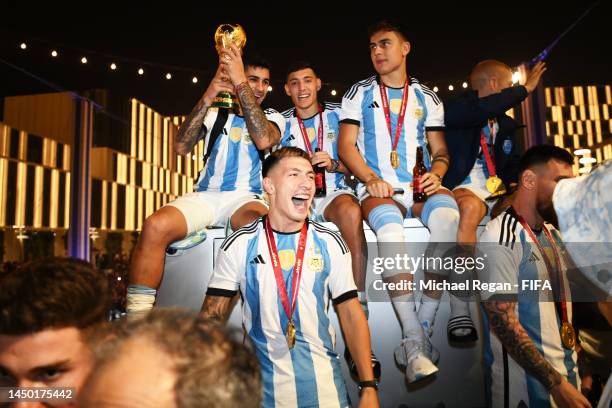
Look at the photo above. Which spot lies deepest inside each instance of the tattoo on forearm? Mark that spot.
(216, 307)
(256, 121)
(191, 129)
(517, 342)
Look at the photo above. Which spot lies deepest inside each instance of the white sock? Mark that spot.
(427, 313)
(406, 311)
(443, 224)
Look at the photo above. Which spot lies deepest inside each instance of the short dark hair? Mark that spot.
(388, 25)
(256, 61)
(542, 154)
(275, 157)
(298, 66)
(213, 367)
(52, 293)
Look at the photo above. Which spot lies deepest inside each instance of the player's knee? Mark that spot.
(441, 215)
(349, 214)
(470, 210)
(157, 227)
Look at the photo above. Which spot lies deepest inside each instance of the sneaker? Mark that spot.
(411, 356)
(431, 352)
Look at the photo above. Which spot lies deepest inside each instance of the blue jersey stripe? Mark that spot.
(421, 136)
(529, 317)
(256, 333)
(233, 158)
(369, 132)
(324, 323)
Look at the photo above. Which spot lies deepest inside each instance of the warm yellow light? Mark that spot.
(194, 80)
(450, 87)
(140, 71)
(113, 66)
(23, 46)
(333, 92)
(435, 89)
(168, 76)
(54, 53)
(84, 60)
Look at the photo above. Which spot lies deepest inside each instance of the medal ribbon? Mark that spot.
(488, 154)
(297, 269)
(402, 113)
(319, 132)
(555, 273)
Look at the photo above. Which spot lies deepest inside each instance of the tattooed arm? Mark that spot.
(217, 307)
(516, 341)
(192, 129)
(262, 131)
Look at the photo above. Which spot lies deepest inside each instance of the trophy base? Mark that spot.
(225, 100)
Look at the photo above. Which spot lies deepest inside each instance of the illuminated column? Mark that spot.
(80, 190)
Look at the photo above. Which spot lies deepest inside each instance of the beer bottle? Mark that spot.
(418, 192)
(321, 188)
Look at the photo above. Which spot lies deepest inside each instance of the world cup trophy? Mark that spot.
(225, 35)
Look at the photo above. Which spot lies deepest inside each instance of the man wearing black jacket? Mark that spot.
(476, 121)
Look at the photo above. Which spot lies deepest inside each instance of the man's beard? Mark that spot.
(548, 214)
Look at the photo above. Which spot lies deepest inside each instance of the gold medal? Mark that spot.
(291, 334)
(394, 159)
(568, 335)
(495, 186)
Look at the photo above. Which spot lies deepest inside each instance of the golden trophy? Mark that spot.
(226, 34)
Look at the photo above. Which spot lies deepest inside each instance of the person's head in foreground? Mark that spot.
(288, 179)
(540, 168)
(47, 309)
(171, 358)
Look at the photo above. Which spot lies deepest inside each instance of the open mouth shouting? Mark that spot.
(301, 201)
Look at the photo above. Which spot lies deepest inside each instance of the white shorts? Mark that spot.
(476, 182)
(320, 204)
(212, 208)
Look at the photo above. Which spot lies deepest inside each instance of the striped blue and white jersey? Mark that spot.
(234, 163)
(362, 105)
(309, 374)
(514, 259)
(293, 137)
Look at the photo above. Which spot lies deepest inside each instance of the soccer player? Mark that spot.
(529, 355)
(383, 120)
(313, 127)
(484, 153)
(287, 269)
(229, 186)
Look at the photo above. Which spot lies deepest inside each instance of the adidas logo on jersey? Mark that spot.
(373, 105)
(533, 258)
(291, 137)
(258, 260)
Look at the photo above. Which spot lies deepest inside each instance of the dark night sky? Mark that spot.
(447, 40)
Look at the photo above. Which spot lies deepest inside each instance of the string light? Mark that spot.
(23, 46)
(464, 85)
(168, 76)
(450, 87)
(194, 80)
(84, 60)
(269, 88)
(140, 71)
(54, 53)
(113, 66)
(333, 92)
(435, 89)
